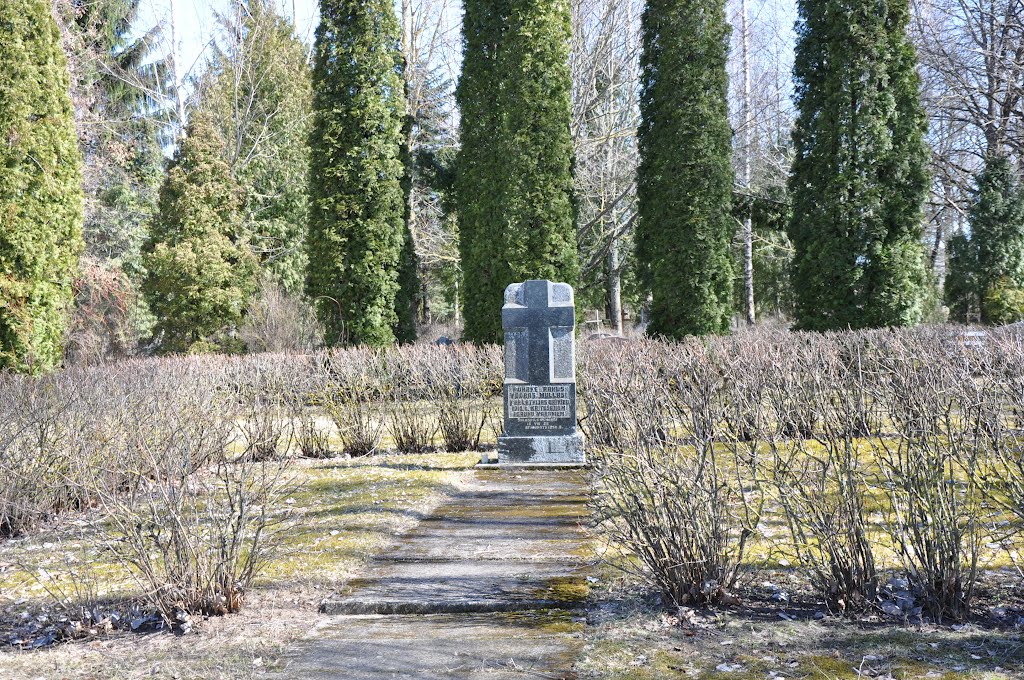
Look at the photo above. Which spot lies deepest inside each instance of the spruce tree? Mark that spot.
(513, 183)
(200, 273)
(356, 199)
(858, 179)
(685, 176)
(259, 92)
(40, 188)
(993, 256)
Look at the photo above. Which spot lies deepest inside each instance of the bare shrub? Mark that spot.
(1002, 422)
(193, 538)
(33, 463)
(411, 420)
(930, 468)
(261, 392)
(464, 381)
(354, 385)
(671, 499)
(277, 321)
(822, 482)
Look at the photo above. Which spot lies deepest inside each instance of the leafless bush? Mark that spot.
(464, 381)
(354, 386)
(34, 468)
(1002, 426)
(822, 482)
(278, 321)
(193, 537)
(667, 490)
(262, 392)
(930, 468)
(411, 418)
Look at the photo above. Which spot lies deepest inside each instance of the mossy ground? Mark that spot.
(631, 636)
(343, 511)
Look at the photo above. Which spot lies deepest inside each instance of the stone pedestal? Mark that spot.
(539, 320)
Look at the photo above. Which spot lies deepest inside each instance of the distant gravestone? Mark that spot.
(539, 320)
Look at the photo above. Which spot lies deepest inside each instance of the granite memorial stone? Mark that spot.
(539, 320)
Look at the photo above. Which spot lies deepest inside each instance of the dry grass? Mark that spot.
(346, 510)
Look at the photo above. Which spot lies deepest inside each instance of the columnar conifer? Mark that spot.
(40, 187)
(357, 205)
(685, 177)
(200, 272)
(513, 184)
(993, 255)
(408, 295)
(858, 180)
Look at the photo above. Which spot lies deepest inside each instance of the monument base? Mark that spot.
(560, 450)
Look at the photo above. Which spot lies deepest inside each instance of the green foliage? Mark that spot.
(436, 219)
(987, 266)
(259, 92)
(408, 296)
(357, 205)
(1003, 302)
(40, 188)
(685, 177)
(997, 224)
(773, 253)
(513, 181)
(200, 271)
(858, 180)
(960, 289)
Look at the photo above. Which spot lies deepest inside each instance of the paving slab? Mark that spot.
(487, 586)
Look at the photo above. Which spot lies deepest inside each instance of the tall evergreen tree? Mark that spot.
(685, 176)
(408, 294)
(259, 92)
(993, 256)
(40, 188)
(513, 183)
(858, 180)
(357, 206)
(200, 272)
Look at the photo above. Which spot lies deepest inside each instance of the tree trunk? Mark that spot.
(748, 231)
(614, 287)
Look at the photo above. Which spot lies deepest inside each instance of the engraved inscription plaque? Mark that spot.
(538, 402)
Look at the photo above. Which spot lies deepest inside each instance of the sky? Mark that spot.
(197, 23)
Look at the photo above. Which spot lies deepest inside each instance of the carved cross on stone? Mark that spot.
(539, 319)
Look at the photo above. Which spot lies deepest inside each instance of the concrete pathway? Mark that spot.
(487, 587)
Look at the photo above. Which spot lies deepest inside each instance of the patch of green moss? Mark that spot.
(566, 589)
(827, 667)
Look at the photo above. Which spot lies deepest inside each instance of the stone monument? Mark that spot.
(539, 320)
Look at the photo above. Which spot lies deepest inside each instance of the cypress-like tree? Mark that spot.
(960, 289)
(513, 183)
(685, 177)
(357, 205)
(993, 256)
(858, 179)
(40, 188)
(408, 295)
(200, 272)
(259, 92)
